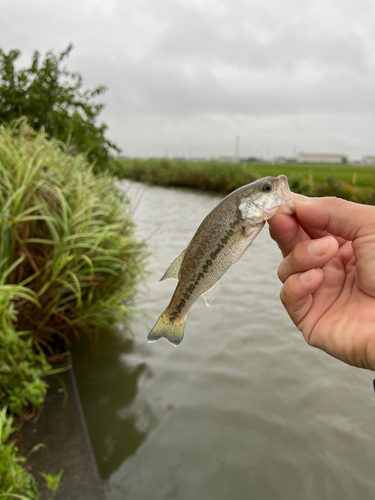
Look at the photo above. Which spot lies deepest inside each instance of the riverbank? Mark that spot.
(345, 181)
(59, 436)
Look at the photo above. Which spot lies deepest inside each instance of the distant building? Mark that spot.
(331, 158)
(368, 160)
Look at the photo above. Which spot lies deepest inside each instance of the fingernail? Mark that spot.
(318, 247)
(307, 276)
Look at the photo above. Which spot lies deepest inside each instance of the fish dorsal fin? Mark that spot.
(210, 294)
(174, 269)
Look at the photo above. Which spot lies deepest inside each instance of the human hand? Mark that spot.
(328, 273)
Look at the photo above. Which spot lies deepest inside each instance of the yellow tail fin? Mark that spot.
(173, 331)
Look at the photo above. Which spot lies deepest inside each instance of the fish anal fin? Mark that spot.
(174, 269)
(210, 294)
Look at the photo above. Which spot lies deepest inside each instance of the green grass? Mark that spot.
(208, 176)
(350, 182)
(365, 176)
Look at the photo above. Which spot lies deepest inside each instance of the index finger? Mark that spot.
(335, 216)
(310, 221)
(286, 231)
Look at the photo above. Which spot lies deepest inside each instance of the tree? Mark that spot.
(52, 98)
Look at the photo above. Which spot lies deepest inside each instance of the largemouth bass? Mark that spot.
(220, 240)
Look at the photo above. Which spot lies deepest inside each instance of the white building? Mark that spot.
(368, 160)
(330, 158)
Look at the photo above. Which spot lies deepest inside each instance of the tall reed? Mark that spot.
(66, 235)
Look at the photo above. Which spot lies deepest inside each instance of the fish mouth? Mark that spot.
(285, 194)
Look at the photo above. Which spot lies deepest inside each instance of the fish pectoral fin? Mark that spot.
(210, 294)
(174, 269)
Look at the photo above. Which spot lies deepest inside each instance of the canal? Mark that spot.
(243, 408)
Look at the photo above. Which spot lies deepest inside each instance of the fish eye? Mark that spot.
(267, 188)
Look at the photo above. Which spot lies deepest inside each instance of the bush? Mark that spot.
(66, 234)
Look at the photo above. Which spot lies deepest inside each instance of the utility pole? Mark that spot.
(237, 148)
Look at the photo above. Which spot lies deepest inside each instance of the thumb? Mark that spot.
(352, 221)
(339, 217)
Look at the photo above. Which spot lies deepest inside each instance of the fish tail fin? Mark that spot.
(173, 331)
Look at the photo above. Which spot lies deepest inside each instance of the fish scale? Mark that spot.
(221, 239)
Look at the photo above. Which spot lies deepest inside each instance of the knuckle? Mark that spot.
(280, 272)
(285, 295)
(299, 254)
(309, 338)
(282, 297)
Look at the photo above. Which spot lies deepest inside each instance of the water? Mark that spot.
(243, 408)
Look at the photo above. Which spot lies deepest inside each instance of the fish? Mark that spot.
(220, 241)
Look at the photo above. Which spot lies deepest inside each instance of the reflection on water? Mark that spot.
(107, 389)
(243, 408)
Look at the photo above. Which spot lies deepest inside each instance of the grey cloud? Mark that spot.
(207, 44)
(184, 70)
(161, 89)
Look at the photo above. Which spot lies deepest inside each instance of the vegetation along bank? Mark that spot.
(345, 181)
(69, 264)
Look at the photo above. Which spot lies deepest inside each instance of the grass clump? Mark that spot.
(67, 235)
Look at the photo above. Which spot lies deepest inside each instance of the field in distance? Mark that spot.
(365, 176)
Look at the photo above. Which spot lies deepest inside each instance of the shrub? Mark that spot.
(52, 97)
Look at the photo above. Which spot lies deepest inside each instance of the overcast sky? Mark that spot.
(185, 77)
